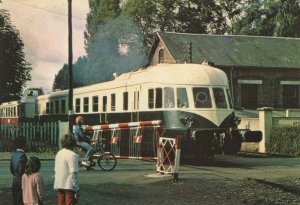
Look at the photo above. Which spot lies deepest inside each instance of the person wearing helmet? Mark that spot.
(83, 141)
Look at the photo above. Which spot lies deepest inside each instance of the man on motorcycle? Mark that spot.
(83, 141)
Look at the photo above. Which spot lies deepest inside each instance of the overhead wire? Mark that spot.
(47, 10)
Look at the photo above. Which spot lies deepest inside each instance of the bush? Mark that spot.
(285, 140)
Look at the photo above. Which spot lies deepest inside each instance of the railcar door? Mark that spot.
(135, 111)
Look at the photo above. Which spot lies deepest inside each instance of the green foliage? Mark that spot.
(14, 69)
(285, 140)
(269, 18)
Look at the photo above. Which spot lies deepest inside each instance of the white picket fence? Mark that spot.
(48, 133)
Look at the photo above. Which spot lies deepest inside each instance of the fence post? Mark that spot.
(265, 124)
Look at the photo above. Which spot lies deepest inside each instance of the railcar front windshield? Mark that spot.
(202, 98)
(220, 98)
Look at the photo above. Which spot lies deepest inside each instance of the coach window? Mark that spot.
(51, 107)
(219, 96)
(158, 97)
(77, 105)
(56, 106)
(113, 102)
(47, 108)
(85, 104)
(151, 98)
(169, 98)
(125, 100)
(63, 106)
(202, 98)
(95, 103)
(182, 98)
(104, 103)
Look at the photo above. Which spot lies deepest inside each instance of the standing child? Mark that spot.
(32, 183)
(17, 168)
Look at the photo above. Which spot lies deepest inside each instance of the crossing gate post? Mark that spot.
(168, 156)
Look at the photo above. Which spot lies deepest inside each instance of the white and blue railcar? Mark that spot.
(193, 100)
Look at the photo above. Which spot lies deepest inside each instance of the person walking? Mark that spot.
(83, 141)
(66, 172)
(17, 169)
(32, 183)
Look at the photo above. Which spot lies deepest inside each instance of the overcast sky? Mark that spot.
(43, 26)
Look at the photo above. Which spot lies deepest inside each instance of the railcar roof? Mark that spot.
(166, 74)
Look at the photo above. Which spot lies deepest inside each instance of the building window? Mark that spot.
(113, 102)
(125, 100)
(249, 96)
(86, 104)
(95, 103)
(63, 106)
(77, 105)
(290, 96)
(161, 56)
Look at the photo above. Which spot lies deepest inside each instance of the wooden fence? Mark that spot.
(40, 137)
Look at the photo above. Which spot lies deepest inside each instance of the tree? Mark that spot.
(14, 69)
(269, 18)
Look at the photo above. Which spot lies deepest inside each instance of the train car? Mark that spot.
(193, 100)
(22, 110)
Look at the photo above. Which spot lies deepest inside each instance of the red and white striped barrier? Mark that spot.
(123, 125)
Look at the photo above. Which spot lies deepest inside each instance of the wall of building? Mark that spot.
(270, 91)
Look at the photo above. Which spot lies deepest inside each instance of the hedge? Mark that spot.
(285, 140)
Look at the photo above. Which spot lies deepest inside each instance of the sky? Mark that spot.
(43, 27)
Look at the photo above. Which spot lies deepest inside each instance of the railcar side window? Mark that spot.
(47, 108)
(77, 105)
(56, 106)
(113, 102)
(182, 98)
(151, 98)
(219, 96)
(158, 97)
(86, 104)
(104, 103)
(95, 103)
(125, 100)
(51, 107)
(63, 106)
(202, 98)
(229, 98)
(169, 97)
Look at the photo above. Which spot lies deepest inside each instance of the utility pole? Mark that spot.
(70, 66)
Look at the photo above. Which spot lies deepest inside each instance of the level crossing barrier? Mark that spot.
(137, 140)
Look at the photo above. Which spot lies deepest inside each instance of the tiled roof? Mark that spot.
(234, 50)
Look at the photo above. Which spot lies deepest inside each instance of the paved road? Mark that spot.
(136, 181)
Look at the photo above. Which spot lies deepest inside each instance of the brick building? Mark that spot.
(262, 71)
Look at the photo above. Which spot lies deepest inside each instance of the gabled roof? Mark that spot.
(234, 50)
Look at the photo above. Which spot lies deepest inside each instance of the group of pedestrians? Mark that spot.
(27, 185)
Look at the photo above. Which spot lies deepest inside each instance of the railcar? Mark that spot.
(193, 100)
(23, 110)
